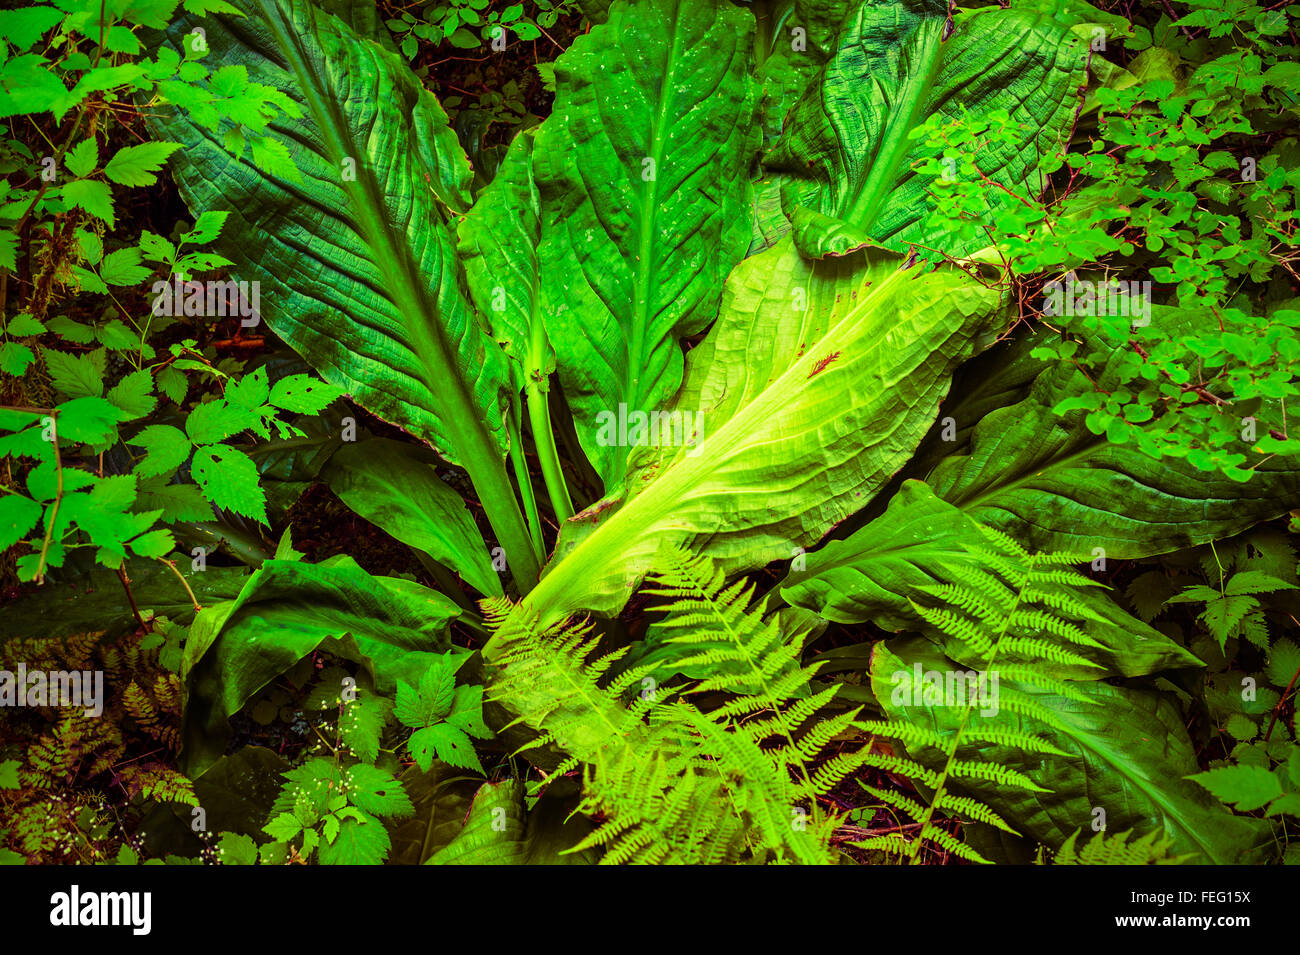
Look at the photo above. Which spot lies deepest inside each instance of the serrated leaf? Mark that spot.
(122, 267)
(1241, 727)
(119, 39)
(376, 791)
(74, 332)
(173, 384)
(15, 358)
(180, 503)
(93, 196)
(283, 827)
(361, 724)
(88, 419)
(218, 420)
(76, 375)
(1221, 616)
(155, 543)
(23, 324)
(134, 395)
(467, 712)
(1255, 582)
(9, 774)
(248, 393)
(359, 842)
(1246, 787)
(452, 745)
(431, 699)
(1283, 664)
(207, 228)
(138, 165)
(166, 449)
(236, 848)
(83, 158)
(1148, 593)
(18, 515)
(229, 480)
(303, 393)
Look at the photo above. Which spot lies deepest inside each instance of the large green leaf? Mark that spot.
(288, 609)
(643, 169)
(441, 797)
(396, 487)
(848, 155)
(876, 573)
(498, 241)
(499, 831)
(355, 260)
(96, 600)
(1047, 480)
(795, 39)
(812, 389)
(1129, 753)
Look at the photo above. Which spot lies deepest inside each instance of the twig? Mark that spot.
(126, 585)
(1285, 693)
(58, 498)
(184, 583)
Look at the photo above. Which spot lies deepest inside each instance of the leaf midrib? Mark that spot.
(883, 173)
(378, 236)
(478, 452)
(645, 244)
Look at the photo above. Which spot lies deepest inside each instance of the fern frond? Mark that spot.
(1045, 651)
(668, 781)
(957, 626)
(993, 773)
(949, 843)
(1039, 621)
(971, 809)
(1151, 849)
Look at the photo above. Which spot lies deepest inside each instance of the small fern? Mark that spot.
(1011, 612)
(1101, 849)
(669, 780)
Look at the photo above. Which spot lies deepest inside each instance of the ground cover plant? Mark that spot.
(669, 431)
